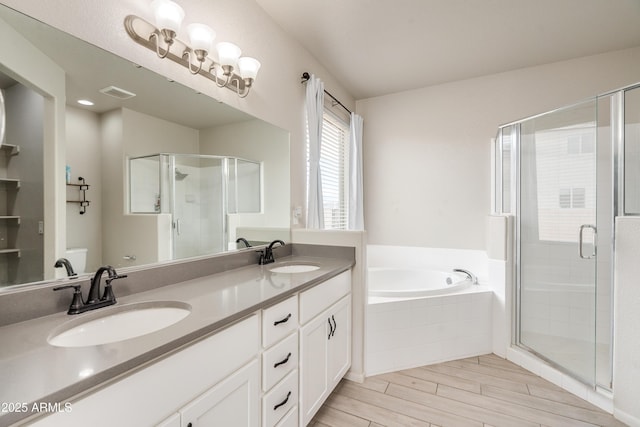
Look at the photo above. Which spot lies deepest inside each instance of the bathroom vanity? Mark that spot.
(259, 348)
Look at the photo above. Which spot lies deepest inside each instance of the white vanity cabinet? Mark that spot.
(325, 342)
(217, 378)
(275, 368)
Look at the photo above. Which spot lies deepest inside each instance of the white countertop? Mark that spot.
(32, 370)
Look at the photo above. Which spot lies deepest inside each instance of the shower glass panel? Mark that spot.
(197, 192)
(245, 184)
(144, 185)
(197, 199)
(557, 232)
(507, 143)
(632, 152)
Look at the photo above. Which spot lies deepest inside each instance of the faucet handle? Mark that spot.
(262, 256)
(108, 290)
(76, 302)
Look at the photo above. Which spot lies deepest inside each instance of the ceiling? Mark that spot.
(377, 47)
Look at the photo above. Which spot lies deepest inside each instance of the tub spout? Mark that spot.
(472, 277)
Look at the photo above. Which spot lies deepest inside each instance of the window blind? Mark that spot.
(334, 161)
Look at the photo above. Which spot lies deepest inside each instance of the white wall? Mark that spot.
(426, 151)
(83, 147)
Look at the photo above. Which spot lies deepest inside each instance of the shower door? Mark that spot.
(558, 238)
(198, 210)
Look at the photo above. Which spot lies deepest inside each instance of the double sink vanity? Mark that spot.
(249, 345)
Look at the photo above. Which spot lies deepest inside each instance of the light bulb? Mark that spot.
(201, 37)
(168, 15)
(248, 67)
(228, 54)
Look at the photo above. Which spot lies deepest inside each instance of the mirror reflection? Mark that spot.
(154, 170)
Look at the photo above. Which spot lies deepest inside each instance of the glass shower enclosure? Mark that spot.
(561, 174)
(196, 192)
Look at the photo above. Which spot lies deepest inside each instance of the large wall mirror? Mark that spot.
(154, 171)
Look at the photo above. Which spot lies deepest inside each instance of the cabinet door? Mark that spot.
(314, 372)
(233, 402)
(339, 352)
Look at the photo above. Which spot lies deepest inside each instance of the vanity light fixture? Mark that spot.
(230, 70)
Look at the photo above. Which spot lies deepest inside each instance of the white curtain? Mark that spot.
(314, 105)
(356, 205)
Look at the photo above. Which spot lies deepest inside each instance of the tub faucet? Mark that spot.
(266, 256)
(472, 277)
(63, 262)
(243, 240)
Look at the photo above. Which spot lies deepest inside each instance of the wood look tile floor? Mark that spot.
(484, 391)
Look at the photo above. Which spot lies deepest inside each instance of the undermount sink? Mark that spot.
(294, 268)
(119, 323)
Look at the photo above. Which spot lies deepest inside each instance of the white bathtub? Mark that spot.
(412, 283)
(414, 317)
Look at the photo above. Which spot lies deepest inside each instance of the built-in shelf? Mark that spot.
(11, 149)
(10, 218)
(10, 252)
(82, 187)
(10, 182)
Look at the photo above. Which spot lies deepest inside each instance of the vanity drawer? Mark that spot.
(280, 400)
(279, 360)
(317, 299)
(289, 420)
(279, 321)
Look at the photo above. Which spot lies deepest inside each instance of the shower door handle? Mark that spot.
(177, 226)
(593, 242)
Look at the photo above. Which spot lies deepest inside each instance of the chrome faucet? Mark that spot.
(94, 300)
(63, 262)
(472, 277)
(266, 255)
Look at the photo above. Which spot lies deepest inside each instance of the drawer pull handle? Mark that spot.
(282, 362)
(335, 326)
(330, 328)
(284, 402)
(285, 320)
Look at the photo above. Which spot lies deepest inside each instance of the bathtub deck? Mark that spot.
(478, 391)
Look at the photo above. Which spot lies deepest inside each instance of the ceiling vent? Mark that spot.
(116, 92)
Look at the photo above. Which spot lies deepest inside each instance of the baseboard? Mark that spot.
(626, 418)
(355, 376)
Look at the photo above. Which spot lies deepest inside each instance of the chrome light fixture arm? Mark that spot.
(201, 56)
(167, 35)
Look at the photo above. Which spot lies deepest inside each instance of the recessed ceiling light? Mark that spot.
(85, 102)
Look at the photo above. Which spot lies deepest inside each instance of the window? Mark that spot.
(334, 167)
(572, 198)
